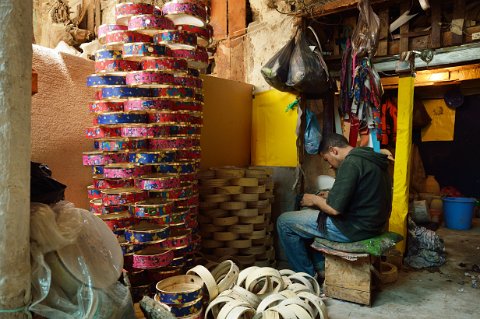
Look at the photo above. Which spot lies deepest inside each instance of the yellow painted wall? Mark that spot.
(227, 123)
(273, 130)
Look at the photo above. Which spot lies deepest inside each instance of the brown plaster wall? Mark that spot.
(59, 118)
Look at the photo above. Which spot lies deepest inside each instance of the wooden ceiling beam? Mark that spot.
(441, 76)
(336, 6)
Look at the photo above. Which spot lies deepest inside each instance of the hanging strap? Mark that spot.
(322, 62)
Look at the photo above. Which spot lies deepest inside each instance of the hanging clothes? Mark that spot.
(366, 94)
(389, 122)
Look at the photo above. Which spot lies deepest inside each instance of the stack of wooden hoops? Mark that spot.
(147, 123)
(255, 292)
(235, 215)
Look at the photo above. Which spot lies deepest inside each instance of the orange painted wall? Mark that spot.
(227, 122)
(59, 118)
(60, 115)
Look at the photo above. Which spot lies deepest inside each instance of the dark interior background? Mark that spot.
(457, 163)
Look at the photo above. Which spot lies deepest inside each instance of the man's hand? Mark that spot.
(323, 194)
(309, 200)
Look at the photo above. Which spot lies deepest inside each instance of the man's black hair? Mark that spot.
(333, 140)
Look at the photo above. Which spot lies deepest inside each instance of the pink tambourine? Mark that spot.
(152, 257)
(125, 170)
(149, 78)
(104, 158)
(133, 130)
(103, 29)
(106, 183)
(145, 104)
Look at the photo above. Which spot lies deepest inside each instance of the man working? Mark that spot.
(357, 207)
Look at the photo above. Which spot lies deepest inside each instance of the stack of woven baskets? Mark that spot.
(235, 215)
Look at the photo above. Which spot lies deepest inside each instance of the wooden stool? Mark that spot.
(349, 280)
(349, 266)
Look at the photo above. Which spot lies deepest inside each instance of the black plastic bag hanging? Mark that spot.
(43, 188)
(308, 72)
(275, 71)
(365, 35)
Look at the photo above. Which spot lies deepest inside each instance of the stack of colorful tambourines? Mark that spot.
(235, 215)
(146, 130)
(182, 295)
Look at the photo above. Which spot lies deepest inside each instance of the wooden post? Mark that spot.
(404, 29)
(436, 34)
(458, 21)
(383, 33)
(15, 101)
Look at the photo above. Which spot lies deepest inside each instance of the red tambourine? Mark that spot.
(115, 66)
(105, 106)
(182, 12)
(124, 11)
(116, 39)
(175, 117)
(197, 59)
(122, 196)
(174, 143)
(150, 24)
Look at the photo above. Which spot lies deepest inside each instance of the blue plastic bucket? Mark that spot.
(458, 212)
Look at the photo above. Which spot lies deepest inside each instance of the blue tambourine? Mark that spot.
(141, 50)
(128, 248)
(176, 167)
(105, 80)
(194, 72)
(120, 144)
(97, 170)
(153, 157)
(125, 92)
(146, 233)
(105, 54)
(121, 118)
(179, 290)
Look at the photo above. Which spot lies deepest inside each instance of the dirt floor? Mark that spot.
(443, 293)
